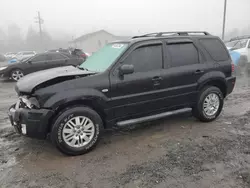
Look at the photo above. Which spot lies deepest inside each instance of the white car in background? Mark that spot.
(24, 54)
(240, 45)
(9, 55)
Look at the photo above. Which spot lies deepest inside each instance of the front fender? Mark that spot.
(74, 95)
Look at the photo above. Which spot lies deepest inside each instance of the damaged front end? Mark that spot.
(29, 116)
(49, 77)
(29, 119)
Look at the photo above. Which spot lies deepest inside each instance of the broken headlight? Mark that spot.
(31, 102)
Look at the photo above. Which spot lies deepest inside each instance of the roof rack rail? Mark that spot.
(180, 33)
(240, 37)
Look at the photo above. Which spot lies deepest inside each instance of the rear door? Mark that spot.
(56, 60)
(182, 69)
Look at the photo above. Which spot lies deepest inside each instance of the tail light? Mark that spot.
(233, 68)
(83, 55)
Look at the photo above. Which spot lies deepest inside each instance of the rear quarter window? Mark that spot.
(215, 48)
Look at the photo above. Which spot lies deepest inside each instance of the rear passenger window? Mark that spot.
(146, 58)
(216, 49)
(56, 56)
(183, 54)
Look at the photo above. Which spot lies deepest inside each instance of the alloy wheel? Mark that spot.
(211, 104)
(17, 75)
(78, 131)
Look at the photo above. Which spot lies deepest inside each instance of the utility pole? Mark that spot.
(40, 21)
(224, 19)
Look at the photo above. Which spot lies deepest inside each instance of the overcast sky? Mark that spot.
(124, 17)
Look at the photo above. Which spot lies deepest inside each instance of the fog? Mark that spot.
(67, 19)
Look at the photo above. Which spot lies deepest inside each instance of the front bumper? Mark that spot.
(4, 75)
(230, 84)
(30, 122)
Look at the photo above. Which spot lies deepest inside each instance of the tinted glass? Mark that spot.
(145, 58)
(56, 56)
(216, 49)
(183, 54)
(39, 58)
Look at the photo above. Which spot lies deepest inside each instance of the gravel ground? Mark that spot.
(175, 152)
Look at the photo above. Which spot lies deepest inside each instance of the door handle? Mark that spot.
(157, 78)
(199, 71)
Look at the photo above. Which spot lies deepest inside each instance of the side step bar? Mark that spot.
(152, 117)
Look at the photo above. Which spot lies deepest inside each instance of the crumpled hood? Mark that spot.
(29, 82)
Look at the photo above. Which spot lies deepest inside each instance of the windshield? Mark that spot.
(26, 59)
(231, 44)
(103, 58)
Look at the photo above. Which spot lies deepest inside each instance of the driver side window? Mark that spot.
(145, 58)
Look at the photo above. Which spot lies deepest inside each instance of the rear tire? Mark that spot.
(209, 105)
(76, 130)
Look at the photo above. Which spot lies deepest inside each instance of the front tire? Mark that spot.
(209, 104)
(77, 130)
(16, 74)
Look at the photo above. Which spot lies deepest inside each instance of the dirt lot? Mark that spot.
(176, 152)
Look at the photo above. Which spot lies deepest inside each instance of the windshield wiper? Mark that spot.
(82, 68)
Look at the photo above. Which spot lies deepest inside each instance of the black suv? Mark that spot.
(126, 82)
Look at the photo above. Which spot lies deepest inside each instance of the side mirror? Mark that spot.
(30, 62)
(126, 69)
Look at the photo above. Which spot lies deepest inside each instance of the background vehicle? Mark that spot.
(2, 58)
(75, 52)
(60, 50)
(9, 55)
(241, 45)
(24, 54)
(39, 62)
(128, 82)
(80, 54)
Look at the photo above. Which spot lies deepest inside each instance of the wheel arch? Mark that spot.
(15, 68)
(220, 83)
(216, 78)
(78, 102)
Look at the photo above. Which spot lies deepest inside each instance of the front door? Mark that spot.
(36, 63)
(133, 95)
